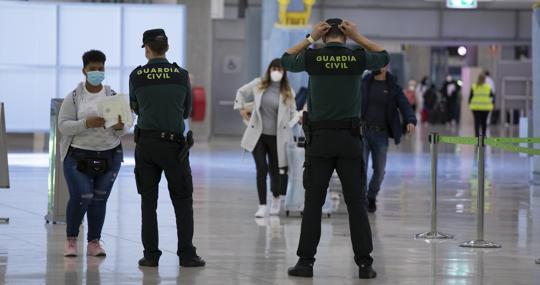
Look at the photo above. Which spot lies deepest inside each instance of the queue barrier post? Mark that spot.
(480, 242)
(433, 233)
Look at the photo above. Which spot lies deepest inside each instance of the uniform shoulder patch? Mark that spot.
(334, 61)
(158, 74)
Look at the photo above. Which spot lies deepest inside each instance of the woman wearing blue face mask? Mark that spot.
(91, 155)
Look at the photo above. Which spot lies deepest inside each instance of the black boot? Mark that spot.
(195, 261)
(148, 262)
(371, 205)
(366, 272)
(301, 269)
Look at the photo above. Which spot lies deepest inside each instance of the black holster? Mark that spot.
(306, 128)
(187, 145)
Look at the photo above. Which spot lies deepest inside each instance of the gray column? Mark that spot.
(471, 59)
(4, 173)
(199, 56)
(270, 15)
(253, 42)
(536, 88)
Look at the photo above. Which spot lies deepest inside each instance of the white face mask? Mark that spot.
(276, 76)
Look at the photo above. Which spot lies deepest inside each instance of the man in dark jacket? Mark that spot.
(383, 101)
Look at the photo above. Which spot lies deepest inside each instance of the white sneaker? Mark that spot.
(276, 206)
(70, 247)
(261, 212)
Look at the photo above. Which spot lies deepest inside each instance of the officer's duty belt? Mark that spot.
(161, 135)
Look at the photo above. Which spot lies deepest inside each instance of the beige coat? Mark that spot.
(287, 118)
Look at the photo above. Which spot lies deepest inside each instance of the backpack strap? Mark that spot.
(109, 91)
(77, 91)
(73, 95)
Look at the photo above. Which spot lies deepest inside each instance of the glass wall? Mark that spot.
(42, 45)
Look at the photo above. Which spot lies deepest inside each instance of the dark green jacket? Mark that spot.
(160, 94)
(335, 81)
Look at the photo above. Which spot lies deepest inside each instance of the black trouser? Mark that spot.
(342, 151)
(152, 157)
(452, 108)
(265, 155)
(480, 122)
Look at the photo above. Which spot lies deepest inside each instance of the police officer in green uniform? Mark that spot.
(333, 134)
(160, 94)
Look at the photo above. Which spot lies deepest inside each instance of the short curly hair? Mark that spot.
(93, 56)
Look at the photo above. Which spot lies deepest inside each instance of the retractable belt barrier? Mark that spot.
(507, 144)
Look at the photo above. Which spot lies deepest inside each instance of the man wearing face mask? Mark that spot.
(382, 102)
(268, 130)
(334, 134)
(91, 155)
(160, 94)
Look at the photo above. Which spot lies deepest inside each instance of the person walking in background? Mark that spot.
(481, 102)
(91, 155)
(420, 91)
(382, 102)
(450, 92)
(490, 82)
(269, 129)
(429, 113)
(410, 93)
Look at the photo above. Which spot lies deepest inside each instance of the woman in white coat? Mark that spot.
(268, 105)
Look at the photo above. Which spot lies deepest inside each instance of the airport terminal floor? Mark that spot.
(240, 249)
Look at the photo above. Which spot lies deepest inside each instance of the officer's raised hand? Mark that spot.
(348, 28)
(319, 30)
(95, 122)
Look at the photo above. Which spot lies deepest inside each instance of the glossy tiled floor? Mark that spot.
(241, 250)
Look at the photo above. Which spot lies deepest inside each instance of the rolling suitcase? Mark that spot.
(294, 200)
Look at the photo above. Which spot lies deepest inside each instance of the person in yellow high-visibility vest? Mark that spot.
(481, 103)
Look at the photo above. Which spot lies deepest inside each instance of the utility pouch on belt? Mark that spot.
(306, 127)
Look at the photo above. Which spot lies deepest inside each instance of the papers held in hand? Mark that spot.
(109, 108)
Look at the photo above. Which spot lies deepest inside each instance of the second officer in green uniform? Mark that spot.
(160, 94)
(333, 134)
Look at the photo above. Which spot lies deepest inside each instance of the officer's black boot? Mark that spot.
(302, 269)
(371, 205)
(195, 261)
(366, 272)
(148, 262)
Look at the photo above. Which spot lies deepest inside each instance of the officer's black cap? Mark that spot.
(334, 22)
(153, 35)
